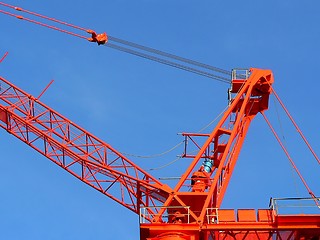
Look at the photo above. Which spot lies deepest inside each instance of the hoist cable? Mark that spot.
(179, 157)
(128, 46)
(296, 126)
(291, 160)
(155, 155)
(215, 119)
(284, 143)
(168, 55)
(166, 62)
(166, 165)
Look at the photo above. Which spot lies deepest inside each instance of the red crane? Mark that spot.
(192, 209)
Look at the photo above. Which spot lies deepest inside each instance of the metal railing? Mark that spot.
(240, 73)
(287, 206)
(237, 74)
(212, 215)
(180, 214)
(172, 214)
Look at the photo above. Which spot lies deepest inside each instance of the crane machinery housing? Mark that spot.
(190, 210)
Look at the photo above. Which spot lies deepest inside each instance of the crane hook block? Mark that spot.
(101, 38)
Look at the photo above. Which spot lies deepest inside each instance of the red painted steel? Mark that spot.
(100, 166)
(222, 147)
(280, 228)
(80, 153)
(165, 213)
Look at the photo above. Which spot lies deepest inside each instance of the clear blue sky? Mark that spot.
(139, 106)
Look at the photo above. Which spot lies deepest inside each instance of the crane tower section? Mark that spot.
(193, 210)
(208, 175)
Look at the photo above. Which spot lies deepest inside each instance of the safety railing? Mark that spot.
(240, 73)
(172, 214)
(212, 215)
(238, 77)
(223, 216)
(287, 206)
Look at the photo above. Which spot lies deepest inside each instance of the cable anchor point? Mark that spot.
(101, 38)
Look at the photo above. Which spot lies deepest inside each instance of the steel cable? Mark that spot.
(168, 55)
(165, 165)
(167, 62)
(155, 155)
(127, 46)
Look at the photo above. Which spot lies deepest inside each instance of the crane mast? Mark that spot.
(210, 171)
(192, 209)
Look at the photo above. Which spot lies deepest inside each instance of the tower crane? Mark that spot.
(191, 210)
